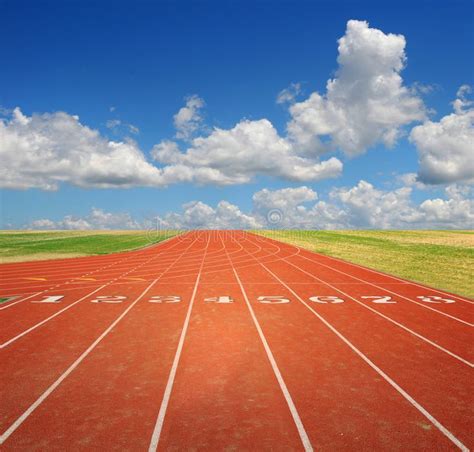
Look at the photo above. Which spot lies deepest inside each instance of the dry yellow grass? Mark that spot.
(442, 259)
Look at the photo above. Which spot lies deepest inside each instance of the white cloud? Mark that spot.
(289, 95)
(97, 219)
(188, 120)
(446, 148)
(365, 104)
(43, 150)
(237, 155)
(367, 206)
(198, 215)
(360, 207)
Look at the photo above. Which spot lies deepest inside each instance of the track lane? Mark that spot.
(224, 373)
(413, 364)
(426, 325)
(20, 283)
(365, 273)
(342, 402)
(34, 362)
(26, 317)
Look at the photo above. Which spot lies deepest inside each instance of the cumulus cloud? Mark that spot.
(97, 219)
(362, 206)
(365, 104)
(43, 150)
(236, 155)
(446, 148)
(188, 120)
(198, 215)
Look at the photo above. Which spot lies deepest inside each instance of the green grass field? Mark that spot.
(17, 246)
(442, 259)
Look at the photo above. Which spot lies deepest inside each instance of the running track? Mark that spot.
(229, 341)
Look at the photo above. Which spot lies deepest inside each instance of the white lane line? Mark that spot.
(392, 383)
(74, 265)
(391, 291)
(78, 361)
(294, 412)
(372, 284)
(406, 281)
(73, 366)
(115, 262)
(155, 437)
(112, 281)
(37, 325)
(19, 301)
(419, 336)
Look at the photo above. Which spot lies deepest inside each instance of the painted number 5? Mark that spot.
(272, 299)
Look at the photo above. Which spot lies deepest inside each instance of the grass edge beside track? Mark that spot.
(25, 246)
(426, 260)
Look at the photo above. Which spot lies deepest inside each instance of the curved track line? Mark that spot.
(76, 363)
(284, 389)
(400, 325)
(382, 288)
(379, 371)
(406, 281)
(155, 437)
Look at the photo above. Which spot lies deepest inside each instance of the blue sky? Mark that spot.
(139, 62)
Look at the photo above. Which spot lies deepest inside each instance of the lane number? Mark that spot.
(323, 299)
(272, 299)
(165, 299)
(50, 299)
(434, 299)
(379, 299)
(112, 299)
(222, 299)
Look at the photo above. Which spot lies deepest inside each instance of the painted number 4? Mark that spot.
(221, 299)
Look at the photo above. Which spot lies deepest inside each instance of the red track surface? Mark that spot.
(175, 364)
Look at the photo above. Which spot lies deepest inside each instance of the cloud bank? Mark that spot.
(365, 104)
(360, 206)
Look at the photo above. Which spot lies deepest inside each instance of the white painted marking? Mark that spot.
(419, 336)
(272, 299)
(389, 291)
(155, 437)
(435, 299)
(111, 299)
(29, 330)
(76, 302)
(222, 299)
(73, 366)
(40, 399)
(377, 369)
(326, 299)
(19, 301)
(165, 299)
(378, 299)
(294, 412)
(49, 299)
(403, 281)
